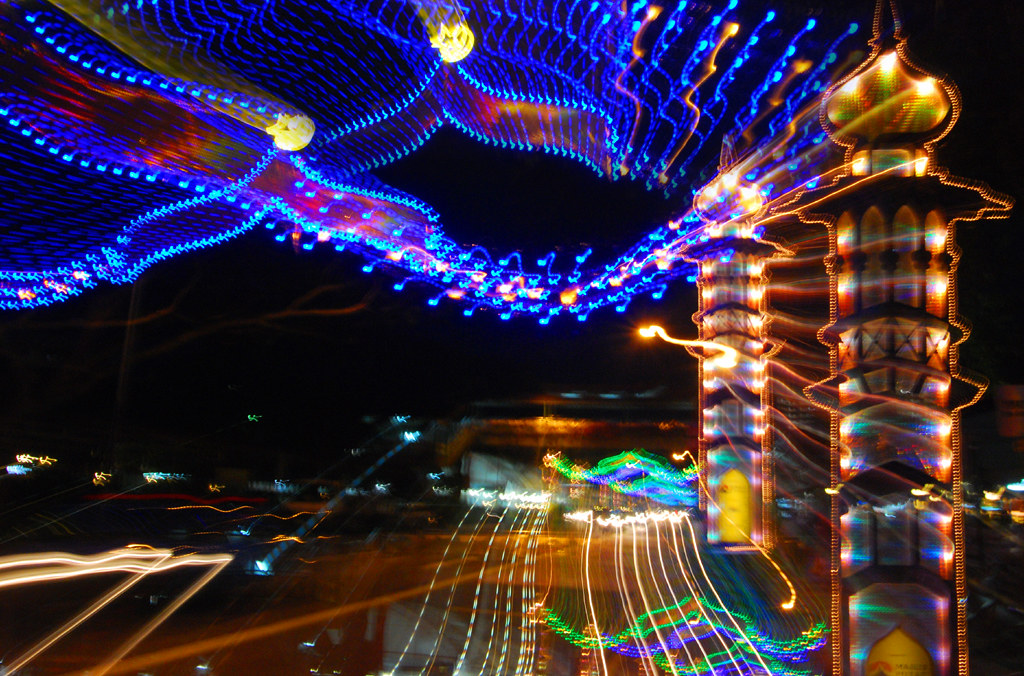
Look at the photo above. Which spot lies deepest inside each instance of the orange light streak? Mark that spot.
(219, 564)
(640, 577)
(638, 54)
(216, 509)
(728, 359)
(234, 638)
(74, 622)
(590, 596)
(729, 31)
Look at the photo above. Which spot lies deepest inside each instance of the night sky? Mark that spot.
(312, 344)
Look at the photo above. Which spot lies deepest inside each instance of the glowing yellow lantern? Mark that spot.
(292, 132)
(453, 43)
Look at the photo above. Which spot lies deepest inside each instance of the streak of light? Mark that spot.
(640, 577)
(527, 650)
(590, 595)
(728, 358)
(509, 588)
(71, 624)
(61, 566)
(285, 538)
(730, 30)
(721, 603)
(850, 187)
(476, 595)
(691, 585)
(433, 580)
(683, 456)
(126, 647)
(675, 600)
(451, 596)
(616, 521)
(638, 54)
(517, 499)
(620, 570)
(216, 509)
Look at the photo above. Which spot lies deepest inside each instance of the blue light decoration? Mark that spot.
(133, 132)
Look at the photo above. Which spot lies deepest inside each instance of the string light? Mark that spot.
(228, 154)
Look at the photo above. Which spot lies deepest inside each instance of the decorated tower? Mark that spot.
(735, 398)
(896, 389)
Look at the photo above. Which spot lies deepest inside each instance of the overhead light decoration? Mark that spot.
(292, 132)
(194, 148)
(453, 43)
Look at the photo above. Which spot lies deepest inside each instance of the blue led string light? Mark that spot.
(592, 81)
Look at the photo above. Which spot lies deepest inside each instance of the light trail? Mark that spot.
(665, 606)
(645, 652)
(700, 562)
(59, 566)
(74, 622)
(640, 577)
(498, 588)
(235, 638)
(476, 595)
(517, 564)
(728, 359)
(216, 509)
(433, 581)
(653, 12)
(729, 31)
(676, 603)
(527, 649)
(590, 596)
(691, 584)
(451, 594)
(139, 560)
(151, 626)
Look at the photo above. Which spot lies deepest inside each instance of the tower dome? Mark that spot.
(889, 111)
(727, 198)
(888, 98)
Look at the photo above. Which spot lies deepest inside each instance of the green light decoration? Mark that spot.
(637, 473)
(701, 632)
(779, 654)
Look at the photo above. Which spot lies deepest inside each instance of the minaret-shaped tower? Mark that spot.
(896, 391)
(734, 445)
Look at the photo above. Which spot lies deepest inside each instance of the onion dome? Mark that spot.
(728, 198)
(888, 98)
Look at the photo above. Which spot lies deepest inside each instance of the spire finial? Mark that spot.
(887, 28)
(728, 154)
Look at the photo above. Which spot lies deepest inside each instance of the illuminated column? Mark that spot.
(899, 595)
(736, 482)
